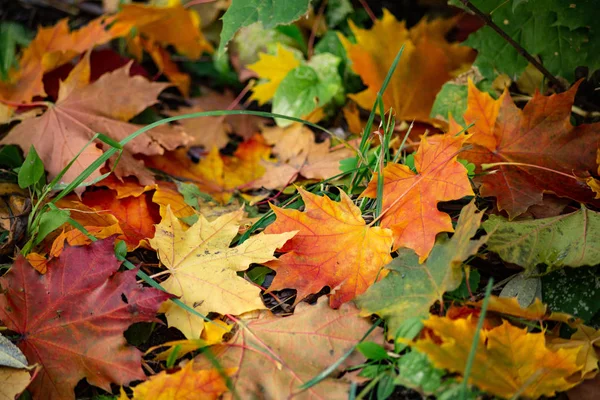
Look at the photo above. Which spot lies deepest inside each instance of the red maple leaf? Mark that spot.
(71, 320)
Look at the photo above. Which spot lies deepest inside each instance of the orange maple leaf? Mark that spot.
(508, 361)
(428, 61)
(410, 199)
(333, 247)
(546, 152)
(82, 110)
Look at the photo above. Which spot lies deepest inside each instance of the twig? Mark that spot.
(314, 28)
(488, 21)
(370, 13)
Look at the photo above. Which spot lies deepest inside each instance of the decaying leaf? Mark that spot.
(546, 153)
(410, 199)
(411, 288)
(333, 247)
(84, 109)
(203, 268)
(428, 61)
(508, 362)
(71, 320)
(274, 356)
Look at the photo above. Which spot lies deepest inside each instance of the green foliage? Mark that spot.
(566, 240)
(537, 27)
(451, 100)
(573, 291)
(307, 87)
(32, 170)
(268, 12)
(10, 157)
(12, 35)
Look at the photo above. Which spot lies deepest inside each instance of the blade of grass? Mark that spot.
(471, 359)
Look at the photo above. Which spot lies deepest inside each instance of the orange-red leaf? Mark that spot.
(71, 320)
(333, 247)
(410, 199)
(540, 135)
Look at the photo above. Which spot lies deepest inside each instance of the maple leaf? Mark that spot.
(136, 215)
(217, 175)
(428, 61)
(166, 66)
(164, 25)
(52, 47)
(536, 311)
(188, 383)
(587, 340)
(202, 268)
(298, 154)
(410, 288)
(213, 131)
(82, 110)
(71, 320)
(508, 361)
(410, 199)
(540, 135)
(333, 247)
(274, 356)
(272, 68)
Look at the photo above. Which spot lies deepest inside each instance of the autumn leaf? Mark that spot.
(52, 47)
(213, 131)
(546, 152)
(136, 215)
(164, 25)
(297, 154)
(188, 383)
(411, 288)
(272, 68)
(274, 356)
(333, 247)
(166, 66)
(508, 361)
(428, 61)
(410, 199)
(217, 175)
(536, 311)
(564, 240)
(587, 340)
(202, 268)
(82, 110)
(66, 329)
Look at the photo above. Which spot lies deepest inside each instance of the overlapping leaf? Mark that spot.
(410, 199)
(71, 320)
(333, 247)
(411, 288)
(82, 110)
(274, 356)
(547, 153)
(203, 268)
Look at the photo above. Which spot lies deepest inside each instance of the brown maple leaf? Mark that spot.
(71, 320)
(545, 151)
(82, 110)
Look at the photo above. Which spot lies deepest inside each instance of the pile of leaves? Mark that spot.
(294, 199)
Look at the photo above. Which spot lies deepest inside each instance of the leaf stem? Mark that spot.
(489, 22)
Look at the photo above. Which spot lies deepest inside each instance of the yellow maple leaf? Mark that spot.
(272, 68)
(508, 362)
(189, 383)
(428, 61)
(587, 340)
(203, 268)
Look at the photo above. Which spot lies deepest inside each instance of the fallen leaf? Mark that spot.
(298, 155)
(188, 383)
(274, 356)
(13, 382)
(411, 288)
(540, 142)
(272, 69)
(82, 110)
(167, 195)
(61, 310)
(587, 340)
(202, 267)
(410, 199)
(333, 247)
(428, 61)
(163, 62)
(136, 215)
(564, 240)
(508, 361)
(165, 25)
(537, 311)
